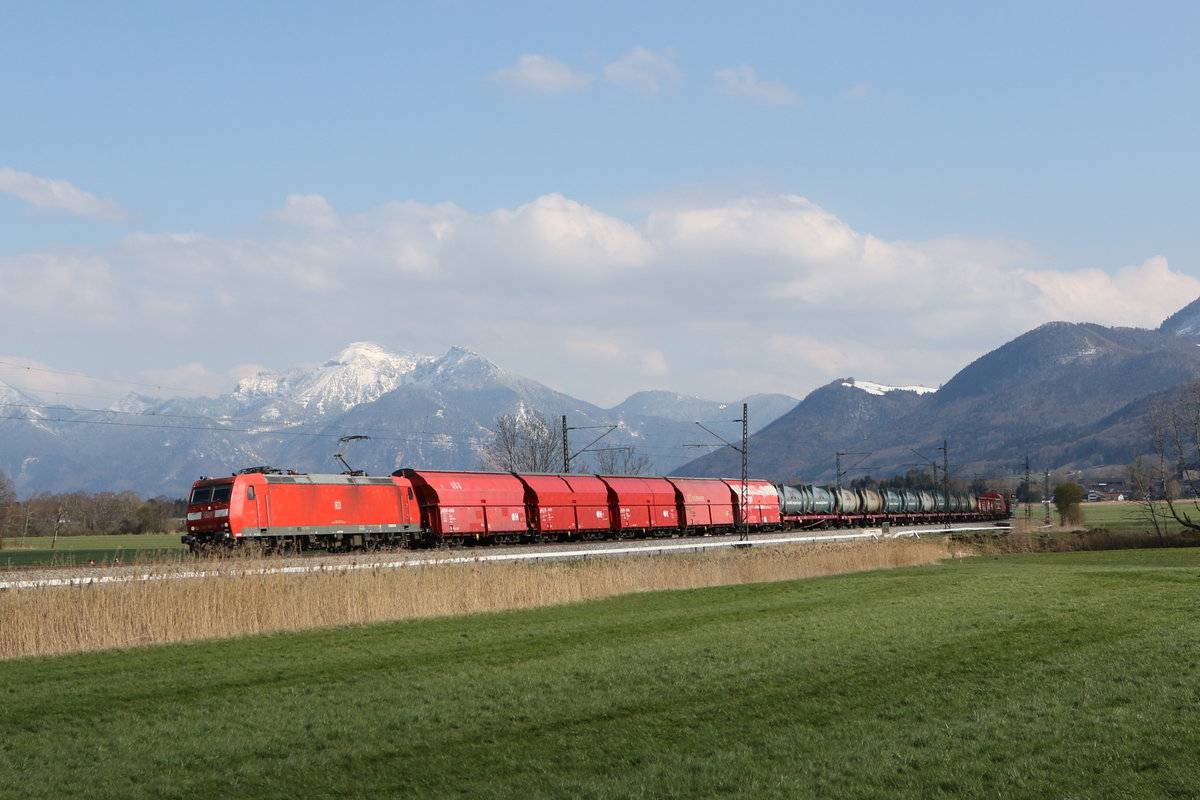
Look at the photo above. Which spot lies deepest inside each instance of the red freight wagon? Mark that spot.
(705, 503)
(993, 505)
(762, 501)
(328, 510)
(567, 504)
(641, 504)
(477, 505)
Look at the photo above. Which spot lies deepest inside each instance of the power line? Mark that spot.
(157, 386)
(249, 426)
(216, 422)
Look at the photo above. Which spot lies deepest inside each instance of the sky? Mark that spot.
(718, 199)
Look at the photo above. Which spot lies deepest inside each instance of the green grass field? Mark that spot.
(1123, 517)
(76, 550)
(1114, 516)
(1048, 675)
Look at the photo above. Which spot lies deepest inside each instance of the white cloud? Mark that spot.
(776, 229)
(743, 82)
(645, 72)
(552, 235)
(307, 211)
(73, 287)
(58, 195)
(1134, 295)
(541, 75)
(600, 349)
(764, 293)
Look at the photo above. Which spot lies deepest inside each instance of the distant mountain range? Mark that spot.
(1067, 395)
(419, 411)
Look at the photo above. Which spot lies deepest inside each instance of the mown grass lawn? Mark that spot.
(1048, 675)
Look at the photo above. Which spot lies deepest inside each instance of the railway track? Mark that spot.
(34, 578)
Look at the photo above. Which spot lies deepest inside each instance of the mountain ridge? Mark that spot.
(1067, 395)
(428, 411)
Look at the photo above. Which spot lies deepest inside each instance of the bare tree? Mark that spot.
(8, 500)
(1148, 487)
(621, 461)
(523, 442)
(1174, 427)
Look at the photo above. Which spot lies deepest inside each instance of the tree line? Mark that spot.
(922, 480)
(84, 514)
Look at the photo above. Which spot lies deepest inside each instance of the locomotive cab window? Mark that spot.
(201, 494)
(221, 492)
(249, 492)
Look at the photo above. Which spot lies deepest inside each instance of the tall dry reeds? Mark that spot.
(1070, 541)
(233, 600)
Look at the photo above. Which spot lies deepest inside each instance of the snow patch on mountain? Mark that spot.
(1185, 322)
(880, 389)
(460, 366)
(132, 404)
(361, 373)
(19, 405)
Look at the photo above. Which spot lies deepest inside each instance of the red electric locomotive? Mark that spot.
(286, 511)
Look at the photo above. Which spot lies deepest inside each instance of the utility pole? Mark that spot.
(745, 465)
(1046, 495)
(745, 451)
(946, 469)
(839, 472)
(566, 447)
(1028, 487)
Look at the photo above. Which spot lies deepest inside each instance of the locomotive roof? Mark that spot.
(338, 479)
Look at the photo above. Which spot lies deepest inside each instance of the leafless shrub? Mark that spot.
(524, 442)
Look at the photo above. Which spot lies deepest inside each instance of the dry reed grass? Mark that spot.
(233, 602)
(1062, 540)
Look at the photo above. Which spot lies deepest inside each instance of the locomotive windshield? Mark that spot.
(213, 493)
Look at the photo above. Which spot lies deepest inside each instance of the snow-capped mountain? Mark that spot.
(362, 373)
(1066, 394)
(417, 410)
(880, 389)
(18, 404)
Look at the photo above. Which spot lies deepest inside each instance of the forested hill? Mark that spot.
(1067, 395)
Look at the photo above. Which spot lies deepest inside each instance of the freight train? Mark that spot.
(288, 512)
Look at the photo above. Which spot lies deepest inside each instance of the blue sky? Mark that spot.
(715, 198)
